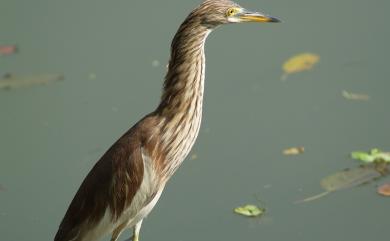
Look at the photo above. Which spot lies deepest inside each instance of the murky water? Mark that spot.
(113, 56)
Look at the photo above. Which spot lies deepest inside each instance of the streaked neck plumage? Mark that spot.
(181, 103)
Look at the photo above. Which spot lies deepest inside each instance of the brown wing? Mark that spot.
(112, 183)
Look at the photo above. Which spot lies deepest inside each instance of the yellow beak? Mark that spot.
(257, 17)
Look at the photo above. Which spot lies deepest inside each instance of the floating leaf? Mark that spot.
(298, 63)
(362, 156)
(353, 96)
(349, 178)
(8, 49)
(294, 150)
(373, 156)
(11, 81)
(249, 210)
(384, 190)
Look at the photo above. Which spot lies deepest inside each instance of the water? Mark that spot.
(52, 135)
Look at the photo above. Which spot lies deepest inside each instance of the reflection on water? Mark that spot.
(114, 61)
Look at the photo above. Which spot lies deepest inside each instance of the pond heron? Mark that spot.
(126, 183)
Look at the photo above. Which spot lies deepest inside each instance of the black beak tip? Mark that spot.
(274, 20)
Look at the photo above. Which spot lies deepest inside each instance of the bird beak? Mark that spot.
(248, 16)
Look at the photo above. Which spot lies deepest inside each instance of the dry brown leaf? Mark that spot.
(384, 190)
(298, 63)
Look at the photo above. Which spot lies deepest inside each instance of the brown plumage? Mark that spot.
(125, 184)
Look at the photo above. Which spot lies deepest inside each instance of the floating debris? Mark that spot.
(2, 188)
(298, 63)
(384, 190)
(10, 81)
(375, 155)
(8, 49)
(354, 96)
(249, 210)
(294, 151)
(349, 178)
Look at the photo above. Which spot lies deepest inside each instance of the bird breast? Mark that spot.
(146, 197)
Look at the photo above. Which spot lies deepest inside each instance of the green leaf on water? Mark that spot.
(362, 156)
(373, 156)
(249, 210)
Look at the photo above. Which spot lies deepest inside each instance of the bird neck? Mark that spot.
(184, 81)
(180, 109)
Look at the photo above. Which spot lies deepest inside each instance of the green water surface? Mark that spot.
(113, 56)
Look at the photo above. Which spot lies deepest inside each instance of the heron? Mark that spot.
(125, 184)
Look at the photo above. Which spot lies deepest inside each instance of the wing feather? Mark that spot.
(112, 183)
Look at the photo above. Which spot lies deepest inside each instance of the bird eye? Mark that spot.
(231, 11)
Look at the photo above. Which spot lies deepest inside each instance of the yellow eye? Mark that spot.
(231, 11)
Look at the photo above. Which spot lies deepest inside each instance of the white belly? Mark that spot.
(143, 202)
(142, 213)
(105, 227)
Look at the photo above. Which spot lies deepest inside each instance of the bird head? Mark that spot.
(217, 12)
